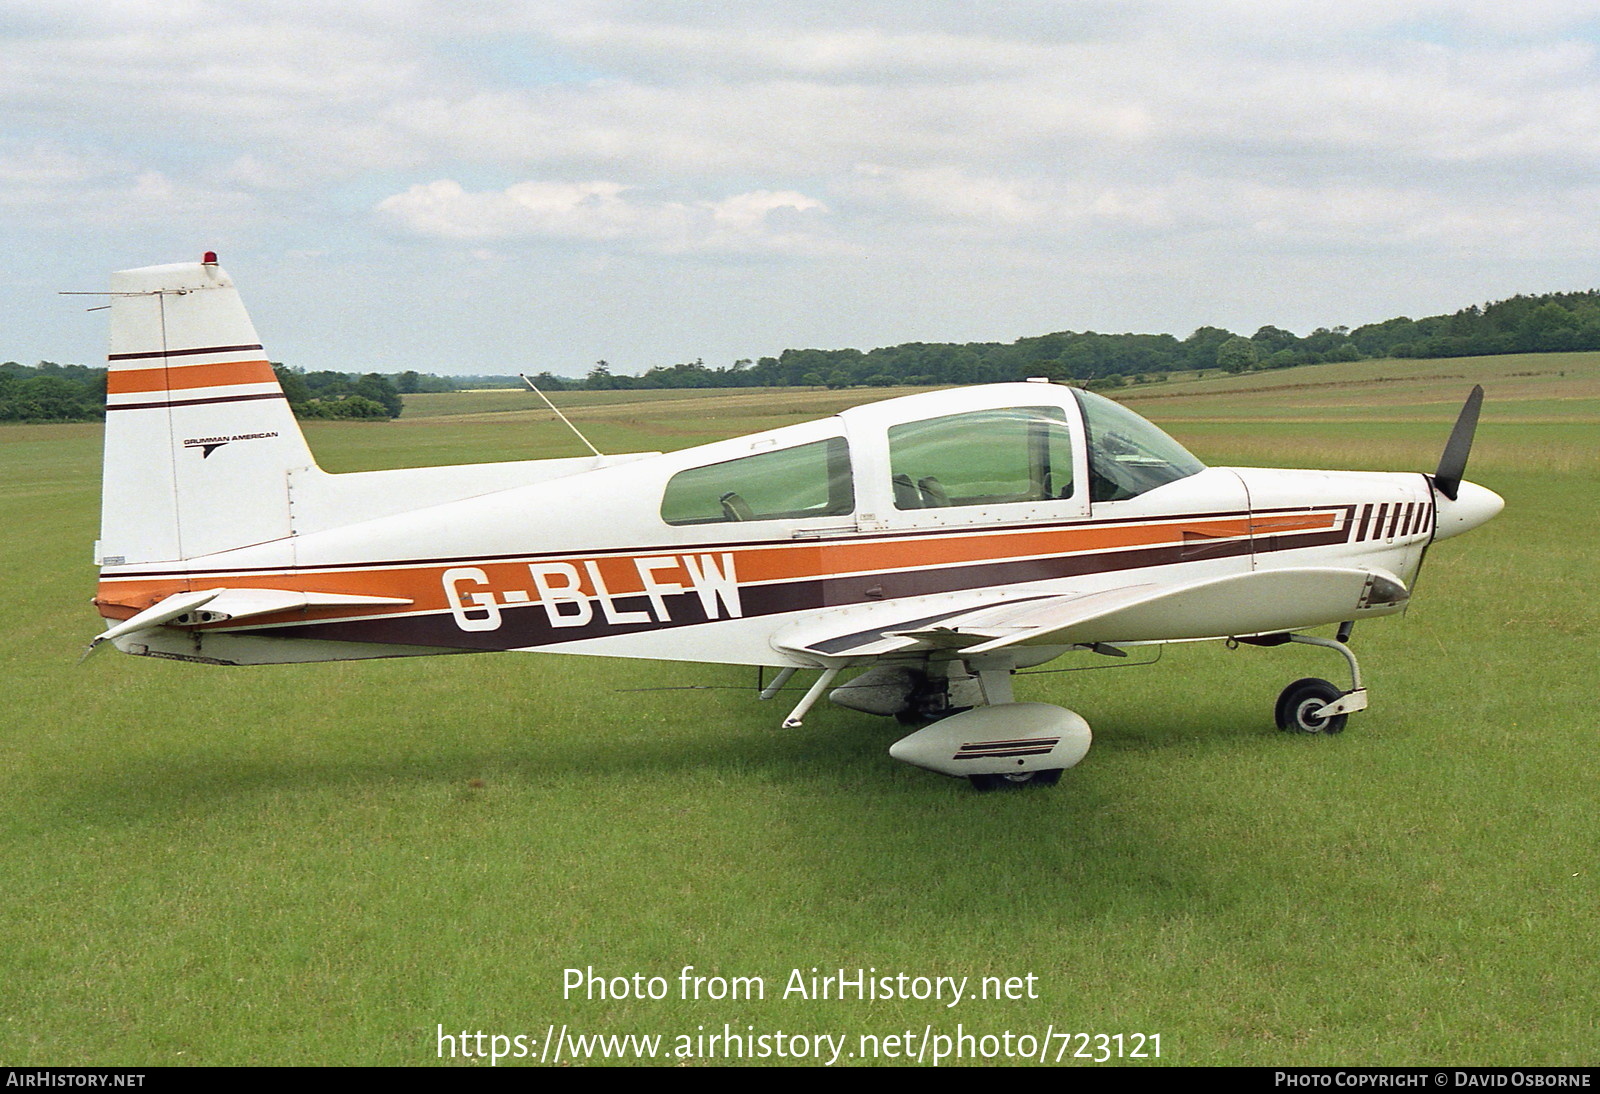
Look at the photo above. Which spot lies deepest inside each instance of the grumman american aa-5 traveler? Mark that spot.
(935, 544)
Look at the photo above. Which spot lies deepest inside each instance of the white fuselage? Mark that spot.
(588, 562)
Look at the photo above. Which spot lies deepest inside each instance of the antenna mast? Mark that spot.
(560, 415)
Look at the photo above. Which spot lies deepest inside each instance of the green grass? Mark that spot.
(319, 864)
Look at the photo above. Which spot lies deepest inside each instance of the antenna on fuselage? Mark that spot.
(560, 415)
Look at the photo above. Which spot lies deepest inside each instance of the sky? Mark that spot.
(492, 187)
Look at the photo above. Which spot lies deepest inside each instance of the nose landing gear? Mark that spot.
(1314, 705)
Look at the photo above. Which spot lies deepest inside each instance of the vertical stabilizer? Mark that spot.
(199, 437)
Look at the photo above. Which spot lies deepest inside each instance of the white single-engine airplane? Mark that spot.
(940, 541)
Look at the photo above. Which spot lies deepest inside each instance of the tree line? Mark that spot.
(339, 395)
(51, 392)
(1522, 324)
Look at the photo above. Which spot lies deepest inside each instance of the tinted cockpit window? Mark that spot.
(984, 457)
(1128, 455)
(811, 480)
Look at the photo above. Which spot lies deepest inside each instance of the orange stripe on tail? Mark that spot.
(184, 377)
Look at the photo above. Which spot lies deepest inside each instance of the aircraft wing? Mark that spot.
(1257, 602)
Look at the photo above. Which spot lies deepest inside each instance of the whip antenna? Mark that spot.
(560, 415)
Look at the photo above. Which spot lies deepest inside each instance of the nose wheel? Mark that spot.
(1299, 707)
(1314, 705)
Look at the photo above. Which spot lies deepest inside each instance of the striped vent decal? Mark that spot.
(1393, 519)
(987, 750)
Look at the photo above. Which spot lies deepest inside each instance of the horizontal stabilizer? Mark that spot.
(243, 603)
(219, 605)
(158, 614)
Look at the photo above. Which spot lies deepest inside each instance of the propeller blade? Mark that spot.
(1453, 464)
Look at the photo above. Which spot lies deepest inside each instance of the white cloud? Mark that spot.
(844, 53)
(57, 188)
(952, 193)
(1088, 150)
(611, 213)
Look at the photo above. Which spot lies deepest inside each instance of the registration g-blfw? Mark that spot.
(933, 544)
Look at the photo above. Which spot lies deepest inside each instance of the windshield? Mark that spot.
(1128, 455)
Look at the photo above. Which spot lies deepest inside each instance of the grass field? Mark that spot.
(326, 863)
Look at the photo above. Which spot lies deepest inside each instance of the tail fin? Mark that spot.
(199, 436)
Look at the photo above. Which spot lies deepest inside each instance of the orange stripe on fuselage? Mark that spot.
(422, 584)
(131, 381)
(1289, 522)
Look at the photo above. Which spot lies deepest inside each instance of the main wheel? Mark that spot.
(1017, 781)
(928, 703)
(1294, 712)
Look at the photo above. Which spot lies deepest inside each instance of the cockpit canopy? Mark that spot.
(1040, 447)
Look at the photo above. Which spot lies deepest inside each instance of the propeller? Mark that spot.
(1453, 514)
(1453, 464)
(1460, 506)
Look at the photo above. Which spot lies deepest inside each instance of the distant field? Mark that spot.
(1537, 385)
(615, 421)
(328, 863)
(711, 402)
(504, 400)
(1528, 386)
(1366, 400)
